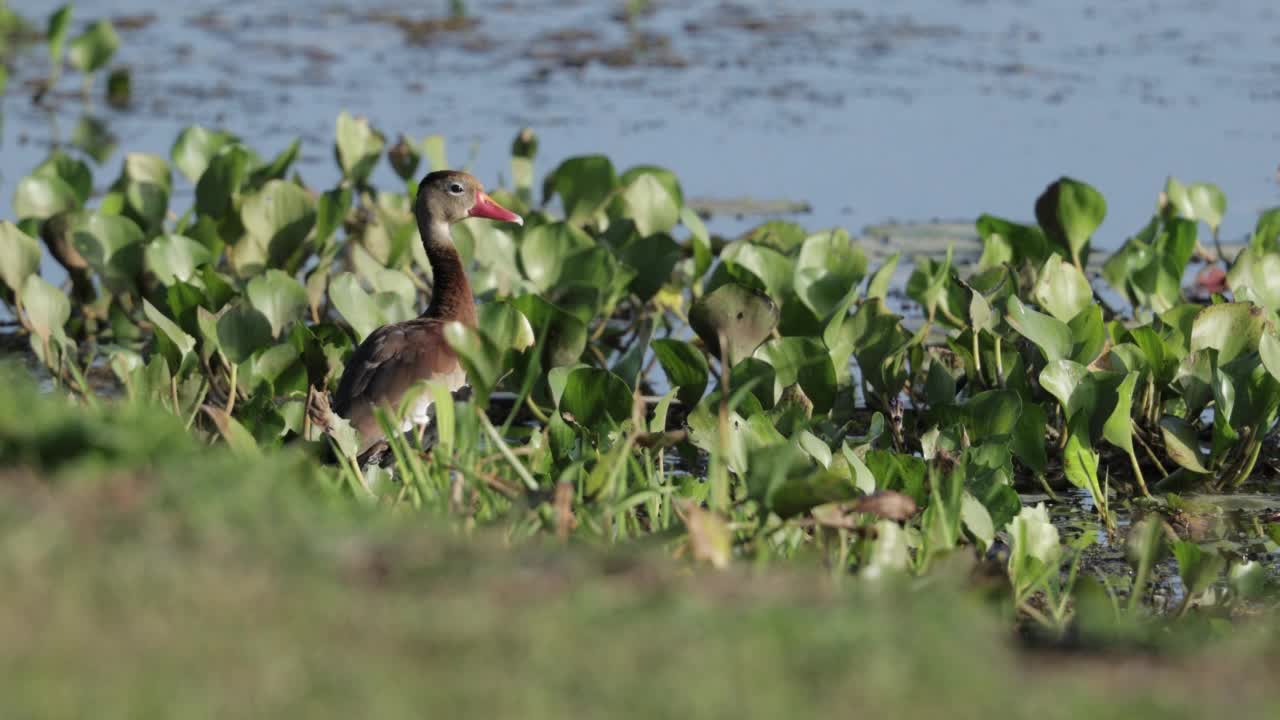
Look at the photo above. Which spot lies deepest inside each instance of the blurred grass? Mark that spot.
(146, 576)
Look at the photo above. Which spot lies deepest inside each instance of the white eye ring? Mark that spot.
(455, 188)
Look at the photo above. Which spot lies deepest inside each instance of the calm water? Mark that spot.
(934, 108)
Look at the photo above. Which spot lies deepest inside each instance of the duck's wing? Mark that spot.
(386, 365)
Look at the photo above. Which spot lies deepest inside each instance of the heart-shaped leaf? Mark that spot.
(47, 308)
(743, 316)
(279, 297)
(19, 256)
(112, 245)
(830, 266)
(650, 204)
(1182, 445)
(278, 219)
(1070, 211)
(93, 49)
(356, 306)
(685, 366)
(175, 258)
(804, 361)
(1052, 336)
(1062, 289)
(584, 185)
(596, 398)
(43, 196)
(1229, 328)
(195, 148)
(242, 331)
(358, 147)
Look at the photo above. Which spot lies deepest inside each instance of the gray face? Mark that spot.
(447, 196)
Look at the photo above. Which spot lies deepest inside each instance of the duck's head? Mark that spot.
(451, 195)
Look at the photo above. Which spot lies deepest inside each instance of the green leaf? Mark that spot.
(184, 342)
(481, 358)
(278, 219)
(175, 258)
(113, 246)
(805, 361)
(1052, 336)
(42, 196)
(685, 366)
(358, 147)
(279, 297)
(195, 148)
(19, 256)
(1070, 211)
(1197, 569)
(74, 172)
(1062, 289)
(1009, 242)
(829, 268)
(147, 182)
(584, 185)
(1229, 328)
(786, 480)
(47, 308)
(93, 49)
(221, 181)
(596, 398)
(994, 414)
(651, 205)
(1118, 430)
(563, 336)
(878, 285)
(1182, 445)
(1268, 349)
(356, 306)
(978, 521)
(242, 331)
(505, 326)
(653, 258)
(546, 249)
(56, 36)
(745, 317)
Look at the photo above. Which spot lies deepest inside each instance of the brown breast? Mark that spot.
(389, 362)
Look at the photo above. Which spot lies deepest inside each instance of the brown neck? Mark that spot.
(451, 297)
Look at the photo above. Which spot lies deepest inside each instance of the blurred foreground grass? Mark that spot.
(146, 576)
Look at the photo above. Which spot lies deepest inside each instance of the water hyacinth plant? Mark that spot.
(634, 375)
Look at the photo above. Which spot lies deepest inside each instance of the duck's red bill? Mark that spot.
(485, 207)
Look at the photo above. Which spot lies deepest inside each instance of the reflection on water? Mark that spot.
(934, 108)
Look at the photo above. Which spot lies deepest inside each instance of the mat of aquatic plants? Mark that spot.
(748, 399)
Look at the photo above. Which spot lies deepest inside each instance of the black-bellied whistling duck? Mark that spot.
(395, 357)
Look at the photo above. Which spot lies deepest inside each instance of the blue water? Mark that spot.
(928, 109)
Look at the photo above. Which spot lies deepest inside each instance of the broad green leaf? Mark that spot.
(1197, 569)
(596, 398)
(278, 218)
(355, 305)
(42, 196)
(583, 184)
(1268, 349)
(1062, 289)
(545, 250)
(505, 326)
(184, 342)
(358, 147)
(19, 256)
(1118, 430)
(829, 268)
(651, 205)
(74, 172)
(56, 36)
(653, 258)
(878, 285)
(563, 336)
(978, 521)
(1229, 328)
(481, 358)
(175, 258)
(47, 308)
(1070, 211)
(242, 331)
(195, 148)
(1182, 445)
(744, 317)
(685, 366)
(279, 297)
(221, 181)
(113, 246)
(994, 414)
(93, 49)
(805, 361)
(1052, 336)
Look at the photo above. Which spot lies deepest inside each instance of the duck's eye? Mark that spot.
(455, 188)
